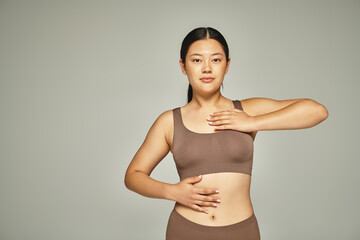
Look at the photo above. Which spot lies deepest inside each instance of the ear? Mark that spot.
(182, 67)
(227, 66)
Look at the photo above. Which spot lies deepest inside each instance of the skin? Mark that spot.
(208, 112)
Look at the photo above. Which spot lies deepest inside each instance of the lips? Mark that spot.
(206, 79)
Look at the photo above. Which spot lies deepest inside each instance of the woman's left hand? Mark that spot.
(232, 119)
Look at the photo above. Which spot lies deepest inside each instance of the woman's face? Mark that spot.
(205, 58)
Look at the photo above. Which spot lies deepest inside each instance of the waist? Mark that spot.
(234, 193)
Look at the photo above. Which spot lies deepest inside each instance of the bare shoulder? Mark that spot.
(155, 146)
(259, 105)
(166, 121)
(165, 117)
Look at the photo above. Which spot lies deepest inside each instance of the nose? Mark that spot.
(206, 67)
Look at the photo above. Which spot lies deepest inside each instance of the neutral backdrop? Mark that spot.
(83, 81)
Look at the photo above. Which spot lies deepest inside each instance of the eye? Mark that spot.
(194, 60)
(217, 59)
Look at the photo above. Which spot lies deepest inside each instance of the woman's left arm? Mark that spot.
(271, 114)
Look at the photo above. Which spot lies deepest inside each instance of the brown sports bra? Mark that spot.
(202, 153)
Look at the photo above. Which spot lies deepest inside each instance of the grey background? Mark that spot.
(83, 81)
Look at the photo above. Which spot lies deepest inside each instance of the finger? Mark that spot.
(223, 127)
(208, 200)
(227, 111)
(206, 203)
(198, 198)
(220, 119)
(219, 113)
(224, 114)
(201, 190)
(193, 179)
(196, 207)
(235, 110)
(221, 123)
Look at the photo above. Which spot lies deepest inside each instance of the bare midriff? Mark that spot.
(234, 193)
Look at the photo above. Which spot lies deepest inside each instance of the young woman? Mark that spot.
(212, 136)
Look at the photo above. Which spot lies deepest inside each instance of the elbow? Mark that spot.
(127, 180)
(320, 111)
(323, 112)
(326, 114)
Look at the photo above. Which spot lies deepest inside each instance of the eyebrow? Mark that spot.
(197, 54)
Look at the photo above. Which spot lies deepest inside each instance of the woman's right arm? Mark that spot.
(154, 148)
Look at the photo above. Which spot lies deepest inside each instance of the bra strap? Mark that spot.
(238, 105)
(178, 125)
(179, 134)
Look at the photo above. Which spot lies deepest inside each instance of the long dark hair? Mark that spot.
(200, 34)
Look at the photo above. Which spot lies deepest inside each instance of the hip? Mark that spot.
(181, 228)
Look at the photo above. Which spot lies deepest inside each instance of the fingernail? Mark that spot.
(214, 204)
(199, 176)
(218, 200)
(217, 191)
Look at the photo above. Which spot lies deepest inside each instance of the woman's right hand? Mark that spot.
(191, 196)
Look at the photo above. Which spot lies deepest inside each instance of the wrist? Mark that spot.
(170, 192)
(254, 124)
